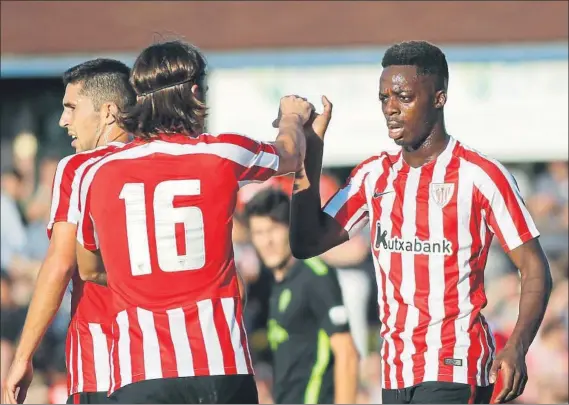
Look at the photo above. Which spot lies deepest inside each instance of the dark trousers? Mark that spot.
(88, 398)
(222, 389)
(439, 393)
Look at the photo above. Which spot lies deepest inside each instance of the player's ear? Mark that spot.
(109, 112)
(198, 92)
(440, 99)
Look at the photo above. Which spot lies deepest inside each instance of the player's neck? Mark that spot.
(281, 272)
(433, 145)
(117, 134)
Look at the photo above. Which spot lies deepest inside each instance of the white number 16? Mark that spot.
(166, 216)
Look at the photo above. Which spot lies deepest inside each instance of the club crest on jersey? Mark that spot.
(441, 193)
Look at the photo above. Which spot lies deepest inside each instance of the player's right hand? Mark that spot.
(296, 105)
(17, 382)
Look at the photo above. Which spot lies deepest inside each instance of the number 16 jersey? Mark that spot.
(160, 211)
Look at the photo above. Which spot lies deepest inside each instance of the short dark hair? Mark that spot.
(162, 77)
(271, 202)
(428, 58)
(104, 80)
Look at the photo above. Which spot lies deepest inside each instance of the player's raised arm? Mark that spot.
(313, 231)
(291, 143)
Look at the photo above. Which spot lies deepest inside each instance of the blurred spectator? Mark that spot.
(13, 234)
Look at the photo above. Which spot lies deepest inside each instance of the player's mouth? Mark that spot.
(73, 141)
(395, 129)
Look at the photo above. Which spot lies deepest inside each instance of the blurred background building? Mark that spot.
(508, 97)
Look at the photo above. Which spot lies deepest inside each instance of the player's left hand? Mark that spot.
(512, 365)
(320, 122)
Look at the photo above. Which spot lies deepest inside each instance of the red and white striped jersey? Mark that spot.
(88, 336)
(160, 212)
(431, 229)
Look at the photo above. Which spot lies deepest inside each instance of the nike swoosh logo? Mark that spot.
(377, 195)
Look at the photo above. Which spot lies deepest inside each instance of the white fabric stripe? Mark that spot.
(150, 344)
(211, 338)
(79, 364)
(384, 261)
(125, 365)
(436, 277)
(482, 228)
(490, 354)
(501, 214)
(461, 324)
(228, 151)
(74, 213)
(181, 342)
(528, 219)
(479, 364)
(57, 189)
(228, 305)
(242, 325)
(409, 227)
(101, 356)
(343, 195)
(111, 360)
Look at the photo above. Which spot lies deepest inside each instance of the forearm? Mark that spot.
(345, 379)
(535, 291)
(46, 300)
(291, 143)
(306, 211)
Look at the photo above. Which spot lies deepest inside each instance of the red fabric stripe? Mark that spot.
(115, 366)
(65, 186)
(224, 335)
(505, 189)
(87, 358)
(68, 351)
(167, 353)
(136, 348)
(422, 283)
(246, 143)
(76, 398)
(196, 338)
(476, 280)
(180, 232)
(473, 391)
(450, 230)
(244, 340)
(396, 271)
(258, 173)
(381, 184)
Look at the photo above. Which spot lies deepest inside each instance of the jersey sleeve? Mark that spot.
(326, 298)
(349, 205)
(507, 216)
(86, 233)
(63, 205)
(256, 160)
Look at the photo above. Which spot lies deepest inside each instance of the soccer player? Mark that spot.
(433, 208)
(95, 91)
(162, 210)
(314, 357)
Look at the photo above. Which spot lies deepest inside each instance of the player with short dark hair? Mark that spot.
(159, 213)
(95, 93)
(434, 207)
(314, 357)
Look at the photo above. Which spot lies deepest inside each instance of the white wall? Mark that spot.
(514, 111)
